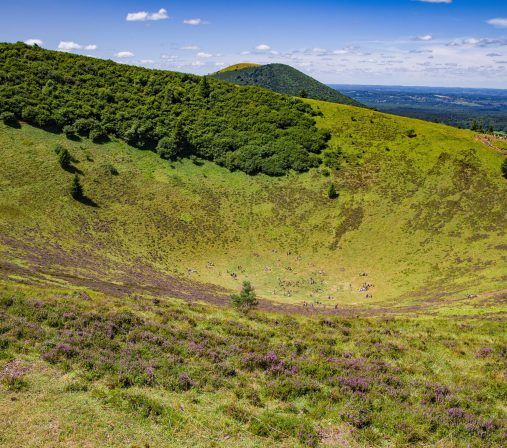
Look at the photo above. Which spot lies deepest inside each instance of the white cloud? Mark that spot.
(32, 42)
(190, 48)
(424, 37)
(203, 55)
(197, 64)
(477, 42)
(124, 54)
(346, 50)
(435, 1)
(147, 61)
(195, 22)
(499, 22)
(263, 47)
(68, 45)
(143, 16)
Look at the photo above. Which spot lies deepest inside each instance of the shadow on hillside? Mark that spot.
(73, 170)
(85, 200)
(13, 124)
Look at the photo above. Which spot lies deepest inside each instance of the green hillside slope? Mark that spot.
(424, 216)
(282, 78)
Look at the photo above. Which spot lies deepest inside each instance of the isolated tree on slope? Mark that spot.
(76, 189)
(9, 119)
(246, 299)
(64, 157)
(331, 192)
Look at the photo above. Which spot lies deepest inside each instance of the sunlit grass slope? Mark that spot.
(423, 215)
(239, 66)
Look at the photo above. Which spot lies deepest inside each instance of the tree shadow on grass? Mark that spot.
(13, 124)
(85, 200)
(73, 170)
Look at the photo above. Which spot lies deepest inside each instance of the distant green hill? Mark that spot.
(282, 78)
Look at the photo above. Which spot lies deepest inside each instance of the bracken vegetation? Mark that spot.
(248, 129)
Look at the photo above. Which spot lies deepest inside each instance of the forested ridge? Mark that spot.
(176, 114)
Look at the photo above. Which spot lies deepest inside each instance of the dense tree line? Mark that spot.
(178, 115)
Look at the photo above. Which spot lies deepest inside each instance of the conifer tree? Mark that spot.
(64, 157)
(76, 190)
(246, 299)
(331, 192)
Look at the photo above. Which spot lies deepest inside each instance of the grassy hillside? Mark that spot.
(424, 217)
(239, 66)
(282, 78)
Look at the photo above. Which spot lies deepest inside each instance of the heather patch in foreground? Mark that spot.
(405, 382)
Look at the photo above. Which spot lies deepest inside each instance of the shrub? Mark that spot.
(411, 133)
(333, 158)
(185, 382)
(13, 376)
(331, 192)
(246, 299)
(64, 157)
(168, 149)
(83, 126)
(504, 168)
(70, 132)
(110, 169)
(9, 119)
(97, 135)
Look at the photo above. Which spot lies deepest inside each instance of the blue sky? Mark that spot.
(405, 42)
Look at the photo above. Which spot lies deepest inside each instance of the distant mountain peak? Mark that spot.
(282, 78)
